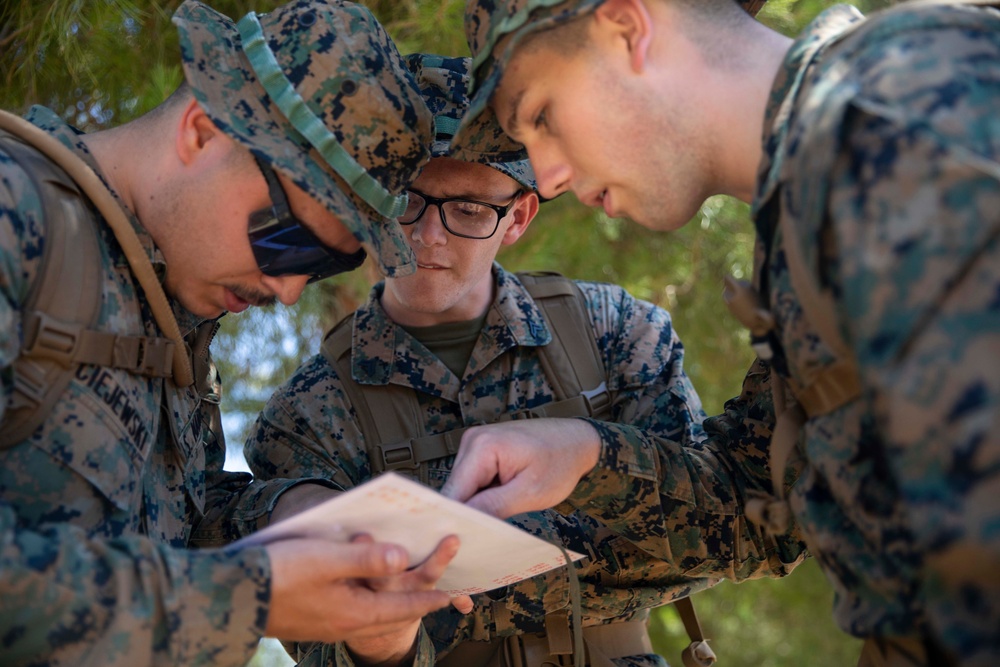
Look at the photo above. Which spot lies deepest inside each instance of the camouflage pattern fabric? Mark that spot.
(308, 429)
(883, 148)
(97, 505)
(318, 90)
(493, 29)
(444, 84)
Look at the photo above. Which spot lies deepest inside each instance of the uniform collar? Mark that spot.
(383, 352)
(817, 36)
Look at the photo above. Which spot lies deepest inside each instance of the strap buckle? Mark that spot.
(398, 455)
(590, 397)
(53, 339)
(156, 358)
(143, 355)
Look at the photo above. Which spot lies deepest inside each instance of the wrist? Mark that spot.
(379, 652)
(300, 498)
(590, 446)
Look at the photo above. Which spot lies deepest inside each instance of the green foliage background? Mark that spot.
(101, 63)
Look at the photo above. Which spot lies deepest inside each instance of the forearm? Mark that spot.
(70, 599)
(243, 507)
(683, 505)
(680, 498)
(238, 504)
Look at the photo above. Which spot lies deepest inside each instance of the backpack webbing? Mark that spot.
(63, 305)
(396, 439)
(570, 362)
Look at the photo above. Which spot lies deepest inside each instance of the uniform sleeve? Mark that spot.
(919, 273)
(236, 504)
(71, 600)
(671, 487)
(20, 255)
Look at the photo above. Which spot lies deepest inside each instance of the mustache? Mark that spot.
(254, 297)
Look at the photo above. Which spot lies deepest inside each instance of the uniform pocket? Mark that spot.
(102, 428)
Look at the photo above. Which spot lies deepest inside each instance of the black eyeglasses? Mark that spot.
(283, 245)
(461, 217)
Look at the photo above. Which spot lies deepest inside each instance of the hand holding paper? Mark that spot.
(394, 509)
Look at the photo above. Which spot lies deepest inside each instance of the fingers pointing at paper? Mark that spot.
(514, 467)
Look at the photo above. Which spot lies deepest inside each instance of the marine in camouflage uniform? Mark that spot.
(99, 506)
(310, 428)
(881, 178)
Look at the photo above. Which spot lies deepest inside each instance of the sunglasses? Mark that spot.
(283, 245)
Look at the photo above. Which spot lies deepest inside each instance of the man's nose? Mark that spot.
(552, 172)
(429, 227)
(288, 288)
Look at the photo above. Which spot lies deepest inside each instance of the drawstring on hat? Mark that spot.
(302, 118)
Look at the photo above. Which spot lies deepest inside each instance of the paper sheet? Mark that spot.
(392, 508)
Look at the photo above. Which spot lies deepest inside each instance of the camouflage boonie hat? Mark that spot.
(493, 29)
(318, 90)
(444, 83)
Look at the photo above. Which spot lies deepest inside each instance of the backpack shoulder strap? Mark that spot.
(397, 441)
(70, 257)
(57, 321)
(388, 438)
(572, 362)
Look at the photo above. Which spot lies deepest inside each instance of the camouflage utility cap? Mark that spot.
(493, 29)
(317, 89)
(444, 83)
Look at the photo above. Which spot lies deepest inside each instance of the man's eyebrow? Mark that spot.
(467, 195)
(512, 107)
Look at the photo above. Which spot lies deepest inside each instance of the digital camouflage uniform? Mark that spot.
(883, 148)
(308, 428)
(96, 507)
(883, 151)
(99, 504)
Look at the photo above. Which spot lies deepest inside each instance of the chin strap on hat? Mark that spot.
(698, 653)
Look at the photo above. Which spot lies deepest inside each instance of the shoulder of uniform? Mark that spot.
(22, 227)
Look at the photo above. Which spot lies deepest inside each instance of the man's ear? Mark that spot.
(524, 212)
(195, 132)
(628, 20)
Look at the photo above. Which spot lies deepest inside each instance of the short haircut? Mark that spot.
(711, 24)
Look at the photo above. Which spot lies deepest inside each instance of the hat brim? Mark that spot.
(486, 78)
